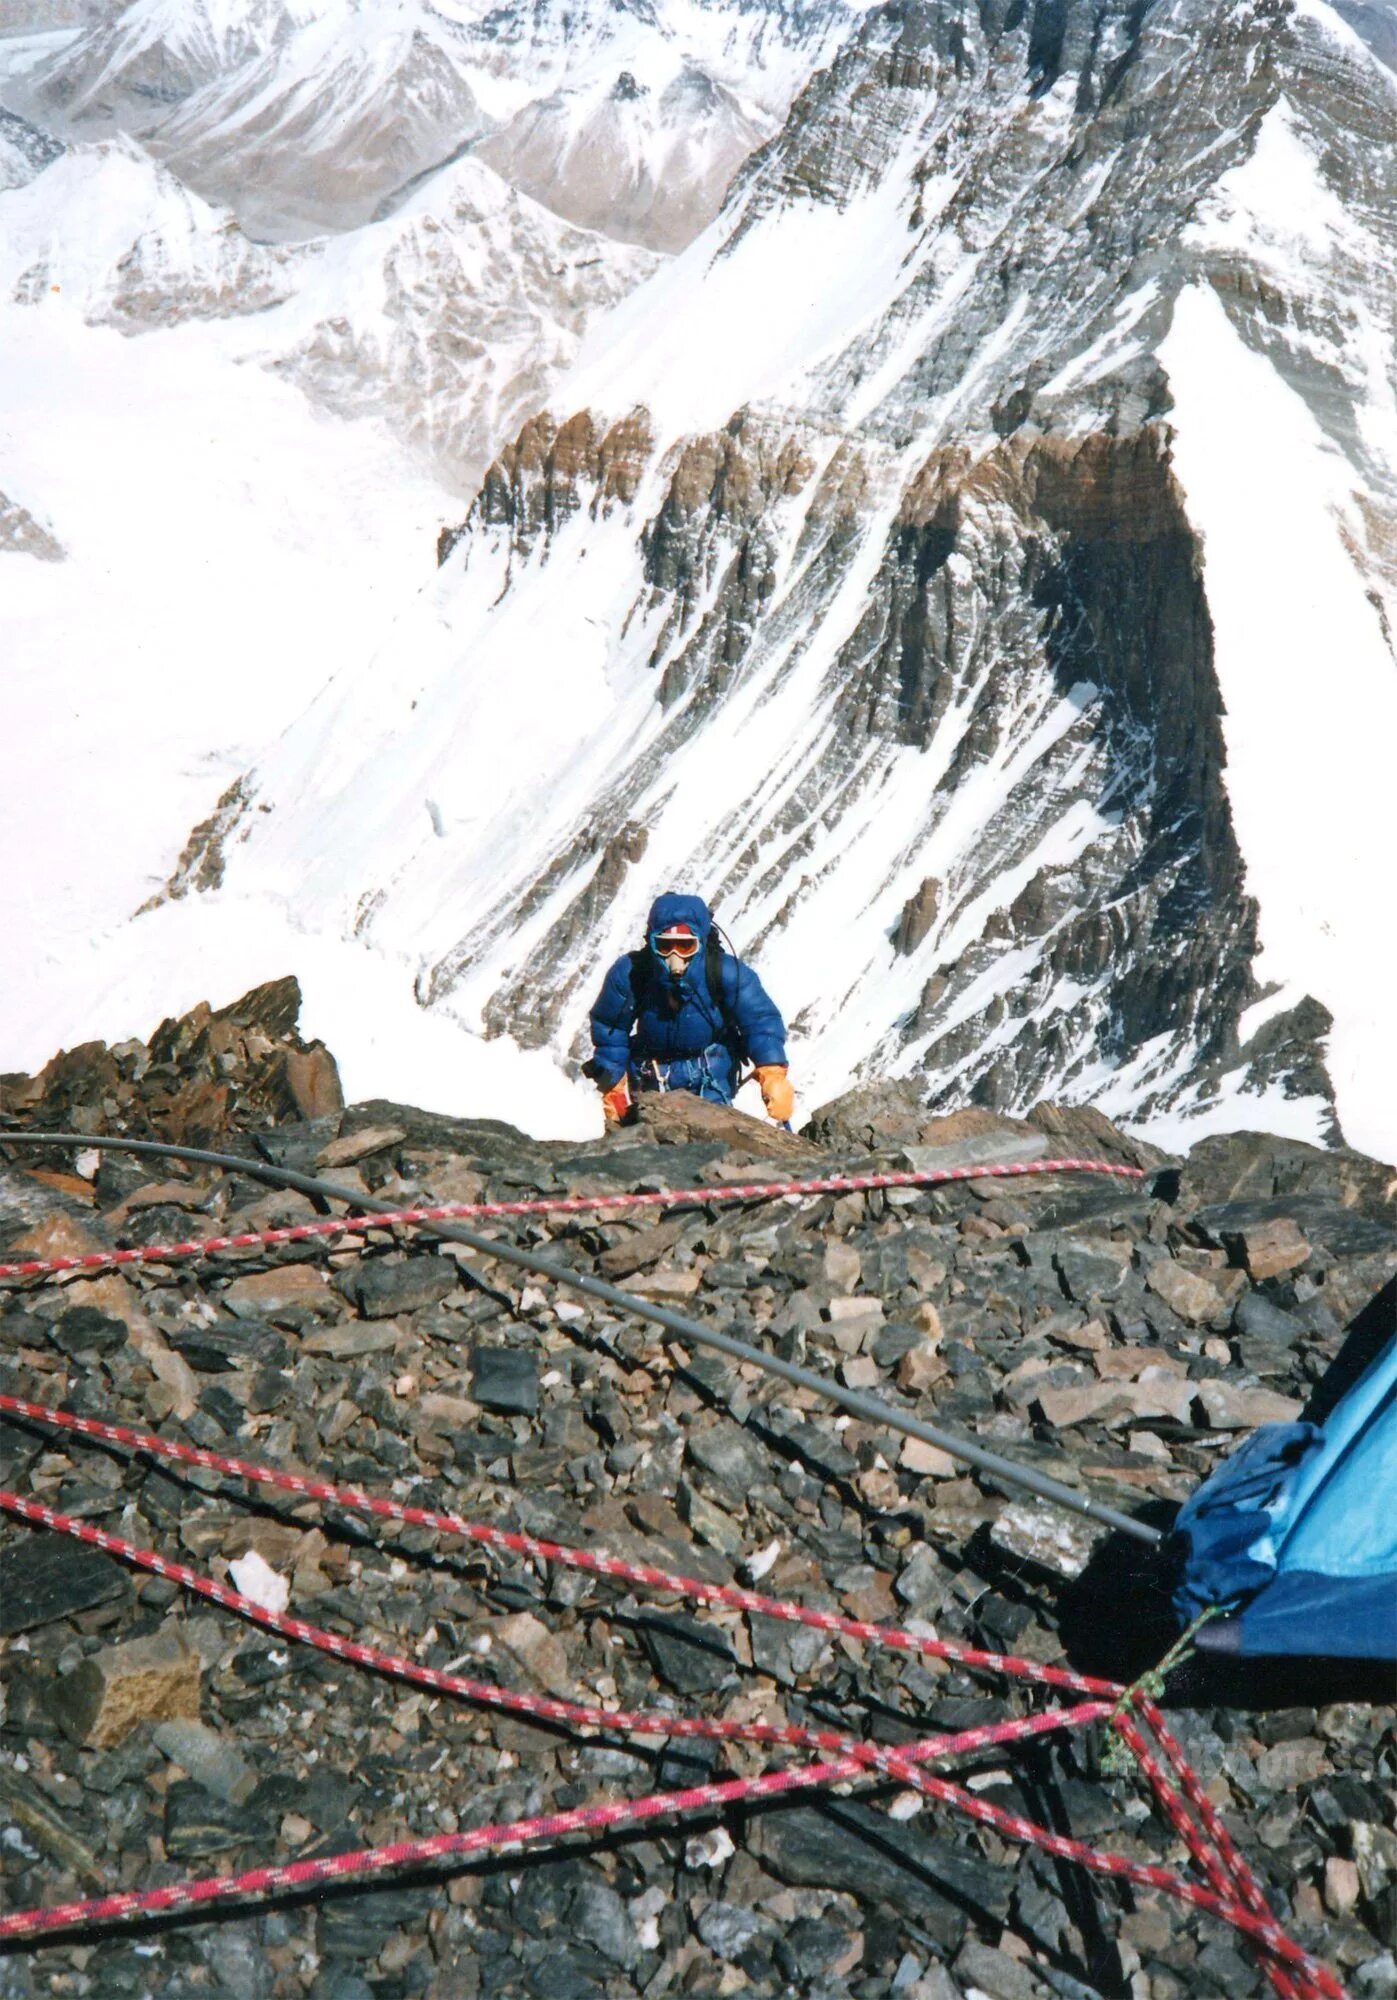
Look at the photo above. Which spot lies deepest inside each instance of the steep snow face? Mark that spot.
(183, 535)
(24, 151)
(649, 165)
(329, 121)
(1295, 499)
(306, 115)
(862, 590)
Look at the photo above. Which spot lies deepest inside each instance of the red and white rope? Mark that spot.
(583, 1204)
(1233, 1893)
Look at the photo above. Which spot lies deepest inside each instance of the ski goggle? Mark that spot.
(674, 944)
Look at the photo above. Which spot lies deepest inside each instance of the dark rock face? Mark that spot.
(201, 1076)
(1040, 1316)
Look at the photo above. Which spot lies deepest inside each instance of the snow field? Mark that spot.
(1309, 689)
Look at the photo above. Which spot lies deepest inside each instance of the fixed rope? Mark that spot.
(1230, 1891)
(859, 1403)
(306, 1232)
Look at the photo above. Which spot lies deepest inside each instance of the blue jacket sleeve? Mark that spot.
(612, 1018)
(758, 1020)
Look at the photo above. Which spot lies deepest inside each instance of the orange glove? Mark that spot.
(777, 1094)
(616, 1102)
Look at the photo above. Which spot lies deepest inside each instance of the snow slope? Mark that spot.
(182, 535)
(143, 674)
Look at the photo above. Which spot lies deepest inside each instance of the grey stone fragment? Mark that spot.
(688, 1655)
(922, 1584)
(505, 1379)
(996, 1974)
(891, 1342)
(1055, 1540)
(820, 1449)
(728, 1929)
(236, 1955)
(198, 1824)
(1257, 1316)
(44, 1577)
(351, 1340)
(849, 1846)
(729, 1454)
(212, 1760)
(228, 1344)
(83, 1330)
(599, 1917)
(1092, 1270)
(380, 1288)
(984, 1150)
(786, 1651)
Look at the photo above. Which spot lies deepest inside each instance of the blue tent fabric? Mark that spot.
(1299, 1528)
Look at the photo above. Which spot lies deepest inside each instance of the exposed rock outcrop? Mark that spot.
(198, 1078)
(1122, 1336)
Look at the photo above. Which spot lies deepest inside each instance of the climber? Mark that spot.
(683, 1014)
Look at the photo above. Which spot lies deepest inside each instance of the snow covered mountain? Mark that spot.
(308, 115)
(971, 562)
(226, 457)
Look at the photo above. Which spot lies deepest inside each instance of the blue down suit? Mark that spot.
(669, 1033)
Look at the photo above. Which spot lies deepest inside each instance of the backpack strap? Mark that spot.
(713, 972)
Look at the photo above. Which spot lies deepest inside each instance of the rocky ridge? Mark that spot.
(1121, 1336)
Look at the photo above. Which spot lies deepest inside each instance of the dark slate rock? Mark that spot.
(298, 1146)
(895, 1340)
(637, 1166)
(786, 1651)
(844, 1845)
(198, 1824)
(229, 1344)
(821, 1450)
(729, 1930)
(325, 1797)
(1343, 1232)
(223, 1406)
(47, 1576)
(689, 1656)
(505, 1379)
(18, 1447)
(83, 1330)
(381, 1289)
(337, 1984)
(599, 1917)
(810, 1946)
(358, 1927)
(729, 1455)
(1089, 1274)
(1257, 1316)
(686, 1761)
(22, 1329)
